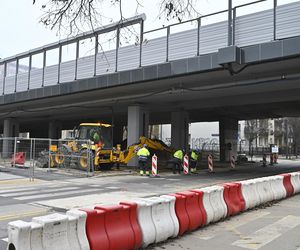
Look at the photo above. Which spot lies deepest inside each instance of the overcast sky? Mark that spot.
(21, 31)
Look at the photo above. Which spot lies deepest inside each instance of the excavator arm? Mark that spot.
(131, 151)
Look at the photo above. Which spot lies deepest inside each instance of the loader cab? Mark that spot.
(98, 133)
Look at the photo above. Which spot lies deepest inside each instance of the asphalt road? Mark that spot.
(55, 192)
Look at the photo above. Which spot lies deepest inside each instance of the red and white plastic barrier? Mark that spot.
(154, 165)
(295, 179)
(186, 164)
(132, 225)
(145, 220)
(233, 198)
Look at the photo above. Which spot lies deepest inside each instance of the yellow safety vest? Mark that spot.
(194, 156)
(178, 154)
(143, 152)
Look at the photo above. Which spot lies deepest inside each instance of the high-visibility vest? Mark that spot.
(194, 156)
(143, 152)
(178, 154)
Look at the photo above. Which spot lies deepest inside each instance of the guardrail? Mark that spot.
(276, 23)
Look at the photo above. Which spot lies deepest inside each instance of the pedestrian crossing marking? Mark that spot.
(38, 192)
(51, 195)
(231, 225)
(268, 233)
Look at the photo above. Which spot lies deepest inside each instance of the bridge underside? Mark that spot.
(265, 90)
(252, 90)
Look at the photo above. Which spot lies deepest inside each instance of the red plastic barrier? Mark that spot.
(134, 223)
(181, 213)
(233, 198)
(201, 206)
(193, 210)
(288, 184)
(18, 158)
(95, 230)
(118, 227)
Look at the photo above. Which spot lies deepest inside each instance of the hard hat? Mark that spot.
(145, 145)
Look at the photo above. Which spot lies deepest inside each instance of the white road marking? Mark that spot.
(33, 197)
(234, 222)
(5, 239)
(112, 188)
(268, 233)
(38, 192)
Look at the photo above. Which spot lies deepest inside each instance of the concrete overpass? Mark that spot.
(242, 68)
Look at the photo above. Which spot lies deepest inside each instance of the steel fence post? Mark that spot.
(167, 48)
(198, 35)
(117, 48)
(15, 151)
(16, 74)
(30, 166)
(95, 56)
(274, 19)
(4, 77)
(76, 60)
(141, 42)
(44, 66)
(33, 155)
(229, 34)
(233, 25)
(29, 71)
(49, 155)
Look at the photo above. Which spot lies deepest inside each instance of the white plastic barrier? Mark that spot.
(172, 200)
(207, 206)
(36, 234)
(144, 214)
(19, 235)
(295, 179)
(277, 187)
(54, 231)
(214, 204)
(162, 219)
(264, 189)
(80, 232)
(72, 233)
(250, 193)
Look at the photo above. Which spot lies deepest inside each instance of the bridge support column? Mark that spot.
(117, 134)
(228, 130)
(179, 129)
(138, 120)
(54, 130)
(10, 129)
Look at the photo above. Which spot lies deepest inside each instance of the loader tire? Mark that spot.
(84, 162)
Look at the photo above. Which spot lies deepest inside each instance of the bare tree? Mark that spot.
(293, 132)
(254, 129)
(74, 16)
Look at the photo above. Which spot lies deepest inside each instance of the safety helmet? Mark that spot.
(145, 145)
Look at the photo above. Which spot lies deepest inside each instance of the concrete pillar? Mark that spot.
(117, 134)
(228, 130)
(10, 129)
(137, 126)
(179, 129)
(54, 130)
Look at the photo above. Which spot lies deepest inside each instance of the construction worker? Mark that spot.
(177, 160)
(143, 155)
(193, 161)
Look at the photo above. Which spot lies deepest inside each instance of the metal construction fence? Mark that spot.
(48, 155)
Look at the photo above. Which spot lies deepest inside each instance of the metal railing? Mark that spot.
(115, 54)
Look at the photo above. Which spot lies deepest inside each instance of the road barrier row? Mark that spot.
(133, 225)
